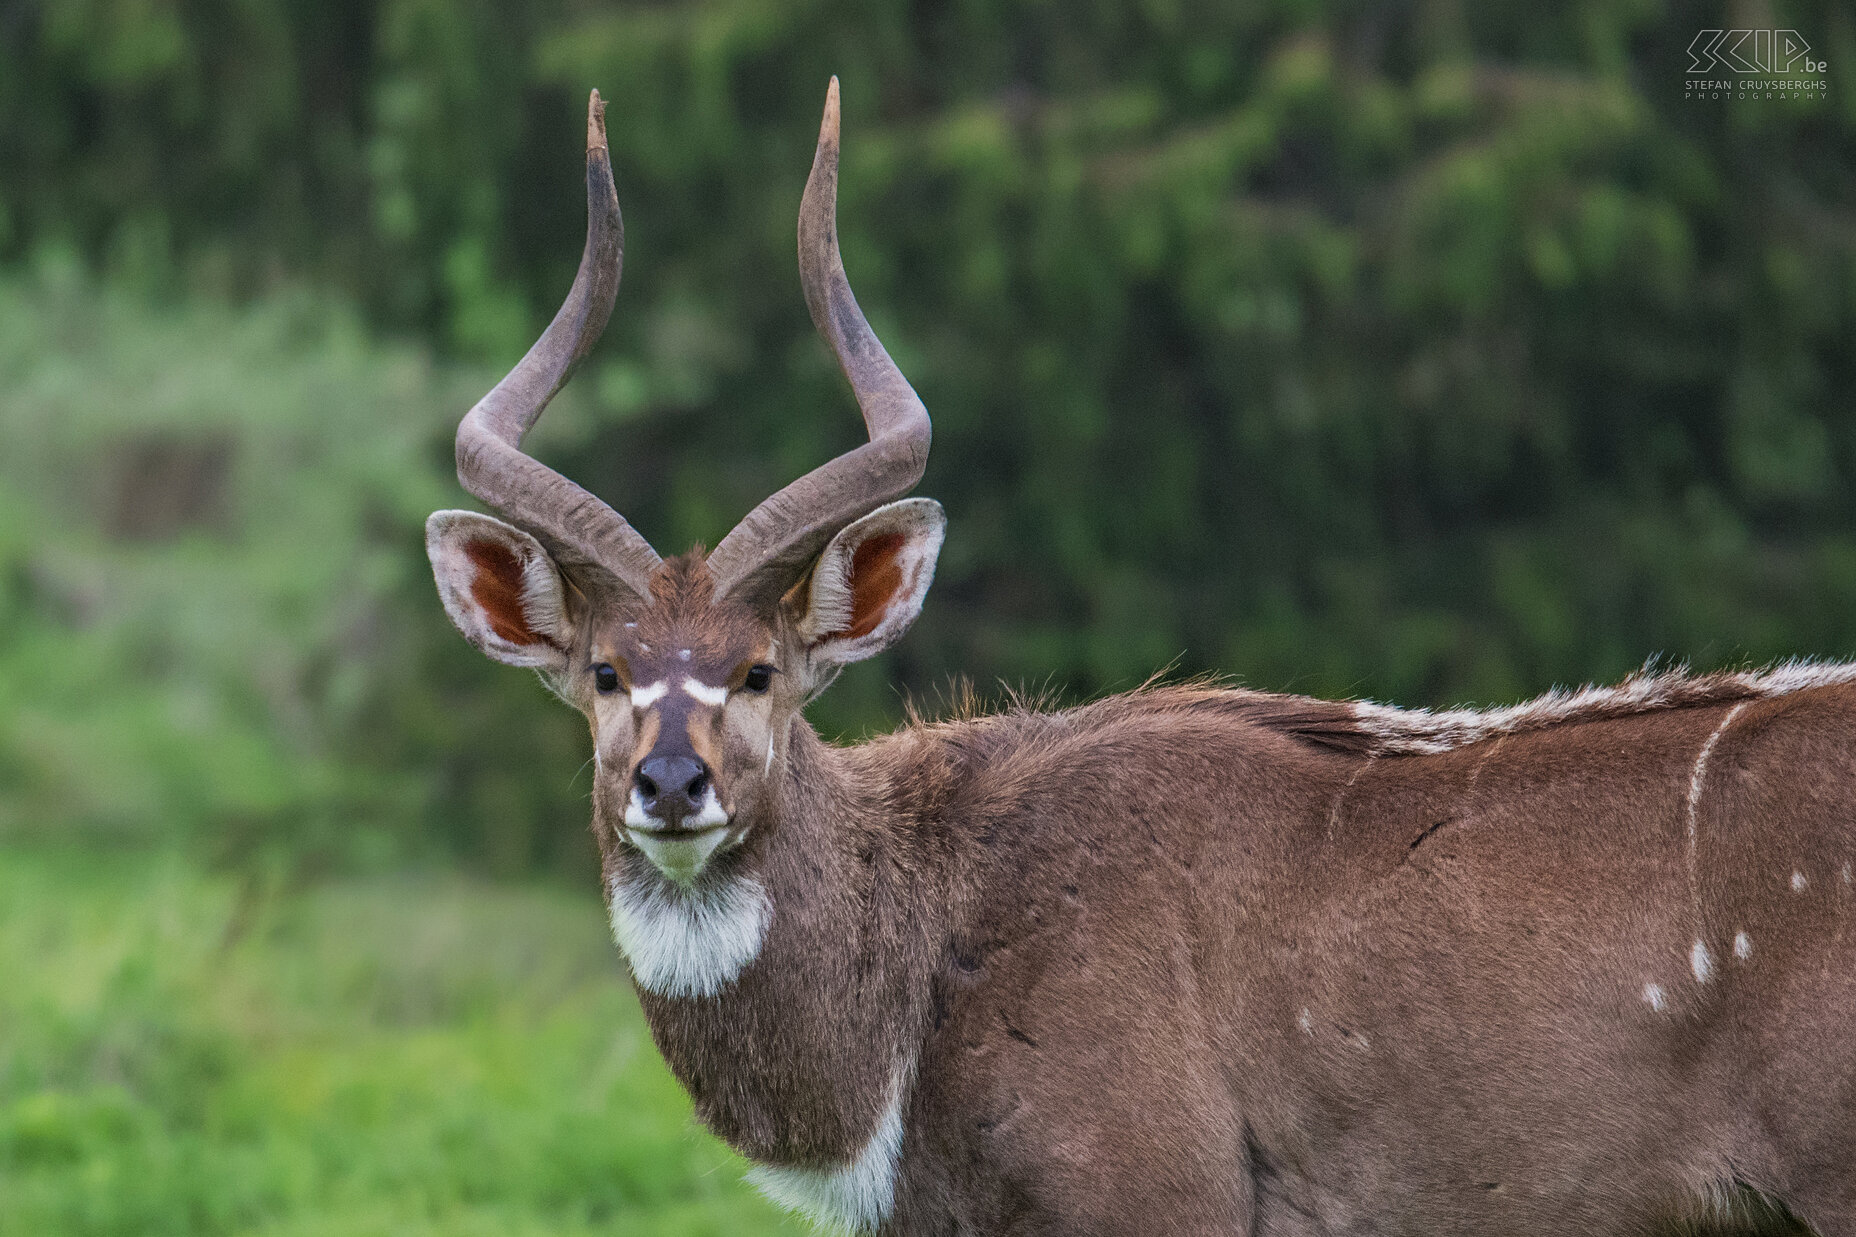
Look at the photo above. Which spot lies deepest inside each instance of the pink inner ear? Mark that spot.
(497, 588)
(876, 576)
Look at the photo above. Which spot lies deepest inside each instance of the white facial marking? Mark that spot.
(645, 697)
(1846, 873)
(683, 654)
(1798, 882)
(681, 856)
(1305, 1022)
(768, 767)
(689, 942)
(635, 815)
(856, 1198)
(1743, 946)
(715, 697)
(712, 813)
(1653, 996)
(1700, 962)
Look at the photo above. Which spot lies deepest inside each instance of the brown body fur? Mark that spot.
(1166, 963)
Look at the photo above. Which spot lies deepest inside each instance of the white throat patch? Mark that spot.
(856, 1198)
(685, 942)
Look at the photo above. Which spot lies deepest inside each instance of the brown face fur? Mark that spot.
(683, 664)
(690, 694)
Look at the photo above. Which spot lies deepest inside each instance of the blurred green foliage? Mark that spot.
(1432, 352)
(372, 1059)
(219, 624)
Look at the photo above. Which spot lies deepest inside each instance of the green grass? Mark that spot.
(410, 1056)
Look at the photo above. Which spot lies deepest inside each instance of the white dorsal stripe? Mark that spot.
(645, 697)
(856, 1198)
(689, 942)
(713, 696)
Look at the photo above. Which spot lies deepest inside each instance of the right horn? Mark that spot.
(578, 528)
(765, 553)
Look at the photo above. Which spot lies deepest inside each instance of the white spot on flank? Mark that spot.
(715, 697)
(1700, 962)
(1798, 882)
(1654, 997)
(1743, 946)
(856, 1198)
(1846, 873)
(689, 942)
(645, 697)
(1305, 1022)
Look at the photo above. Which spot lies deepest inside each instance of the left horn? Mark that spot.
(491, 464)
(778, 540)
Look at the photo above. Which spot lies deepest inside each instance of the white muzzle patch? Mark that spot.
(683, 853)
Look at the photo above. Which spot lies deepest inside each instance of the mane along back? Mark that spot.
(1391, 731)
(1368, 728)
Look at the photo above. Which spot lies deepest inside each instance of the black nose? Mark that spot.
(671, 787)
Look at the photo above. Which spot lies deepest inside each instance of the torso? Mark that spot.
(1334, 950)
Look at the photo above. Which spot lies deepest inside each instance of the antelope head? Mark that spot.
(690, 671)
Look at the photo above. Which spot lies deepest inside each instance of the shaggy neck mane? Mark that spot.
(1366, 728)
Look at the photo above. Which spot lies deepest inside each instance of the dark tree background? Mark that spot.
(1436, 352)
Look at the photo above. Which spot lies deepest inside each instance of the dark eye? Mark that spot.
(605, 677)
(758, 678)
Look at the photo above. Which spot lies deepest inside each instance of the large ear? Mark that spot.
(500, 588)
(868, 585)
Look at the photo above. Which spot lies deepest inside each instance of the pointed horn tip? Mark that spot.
(595, 123)
(828, 127)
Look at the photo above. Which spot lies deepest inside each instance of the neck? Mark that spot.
(788, 988)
